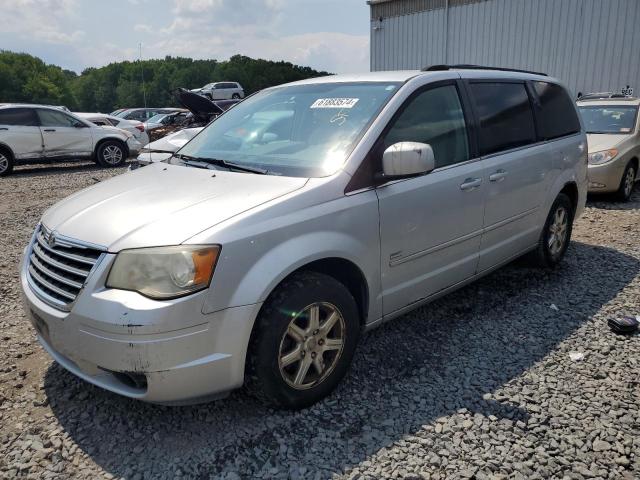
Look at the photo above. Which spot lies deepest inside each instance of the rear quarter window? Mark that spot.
(18, 116)
(556, 116)
(505, 116)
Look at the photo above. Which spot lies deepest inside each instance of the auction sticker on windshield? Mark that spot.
(335, 103)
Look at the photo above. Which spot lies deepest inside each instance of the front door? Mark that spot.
(63, 135)
(431, 225)
(19, 129)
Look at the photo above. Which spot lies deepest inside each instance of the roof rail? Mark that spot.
(440, 68)
(605, 96)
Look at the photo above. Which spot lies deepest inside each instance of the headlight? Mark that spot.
(604, 156)
(164, 272)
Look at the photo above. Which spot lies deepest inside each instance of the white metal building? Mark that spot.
(592, 45)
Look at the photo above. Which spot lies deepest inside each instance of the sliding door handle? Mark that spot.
(470, 184)
(498, 176)
(49, 129)
(4, 128)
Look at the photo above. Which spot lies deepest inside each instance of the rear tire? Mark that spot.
(111, 153)
(303, 342)
(627, 183)
(556, 234)
(235, 96)
(6, 162)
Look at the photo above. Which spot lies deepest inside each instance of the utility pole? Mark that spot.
(144, 93)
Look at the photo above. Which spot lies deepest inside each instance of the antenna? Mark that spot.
(144, 93)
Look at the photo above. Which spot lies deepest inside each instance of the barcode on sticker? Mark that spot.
(334, 103)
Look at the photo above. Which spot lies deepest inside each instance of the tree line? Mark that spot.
(25, 78)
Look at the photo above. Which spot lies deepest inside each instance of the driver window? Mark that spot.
(435, 117)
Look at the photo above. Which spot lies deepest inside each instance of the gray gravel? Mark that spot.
(489, 382)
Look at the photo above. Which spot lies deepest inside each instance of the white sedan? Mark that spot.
(134, 127)
(162, 150)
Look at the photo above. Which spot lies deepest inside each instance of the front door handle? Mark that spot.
(470, 184)
(49, 129)
(498, 176)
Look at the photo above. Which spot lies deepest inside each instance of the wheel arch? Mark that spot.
(344, 271)
(108, 139)
(7, 148)
(570, 189)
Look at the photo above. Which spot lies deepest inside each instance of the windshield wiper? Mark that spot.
(199, 161)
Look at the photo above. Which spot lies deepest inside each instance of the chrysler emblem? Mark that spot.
(50, 238)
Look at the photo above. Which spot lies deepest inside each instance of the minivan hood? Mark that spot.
(161, 205)
(602, 141)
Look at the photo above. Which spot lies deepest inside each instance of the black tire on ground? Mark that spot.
(294, 361)
(627, 183)
(235, 96)
(6, 162)
(111, 153)
(556, 234)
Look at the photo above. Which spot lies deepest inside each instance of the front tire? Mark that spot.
(6, 163)
(627, 183)
(556, 233)
(303, 342)
(111, 153)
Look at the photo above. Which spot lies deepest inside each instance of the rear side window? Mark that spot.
(18, 116)
(557, 116)
(435, 117)
(506, 118)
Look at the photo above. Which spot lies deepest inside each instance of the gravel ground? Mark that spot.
(516, 376)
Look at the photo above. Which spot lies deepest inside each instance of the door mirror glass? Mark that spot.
(406, 159)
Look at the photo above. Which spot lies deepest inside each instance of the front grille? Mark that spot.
(58, 267)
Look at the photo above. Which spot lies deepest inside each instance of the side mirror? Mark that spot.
(407, 159)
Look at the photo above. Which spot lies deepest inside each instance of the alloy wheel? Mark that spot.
(629, 179)
(112, 154)
(312, 345)
(558, 231)
(4, 163)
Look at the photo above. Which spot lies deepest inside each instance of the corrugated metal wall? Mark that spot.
(592, 45)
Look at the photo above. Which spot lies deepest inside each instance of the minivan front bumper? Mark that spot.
(165, 352)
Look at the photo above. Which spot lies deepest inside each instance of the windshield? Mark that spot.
(157, 118)
(620, 119)
(299, 130)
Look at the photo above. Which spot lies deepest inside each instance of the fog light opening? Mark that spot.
(137, 381)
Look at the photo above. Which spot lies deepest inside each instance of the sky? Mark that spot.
(331, 35)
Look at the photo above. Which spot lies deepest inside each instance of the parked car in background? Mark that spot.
(142, 114)
(116, 112)
(613, 132)
(221, 91)
(134, 127)
(201, 112)
(163, 149)
(300, 217)
(160, 125)
(36, 132)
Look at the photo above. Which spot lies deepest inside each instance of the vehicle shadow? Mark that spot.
(63, 167)
(406, 374)
(609, 202)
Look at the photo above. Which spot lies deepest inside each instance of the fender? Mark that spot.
(283, 259)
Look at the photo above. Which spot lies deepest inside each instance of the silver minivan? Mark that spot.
(300, 218)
